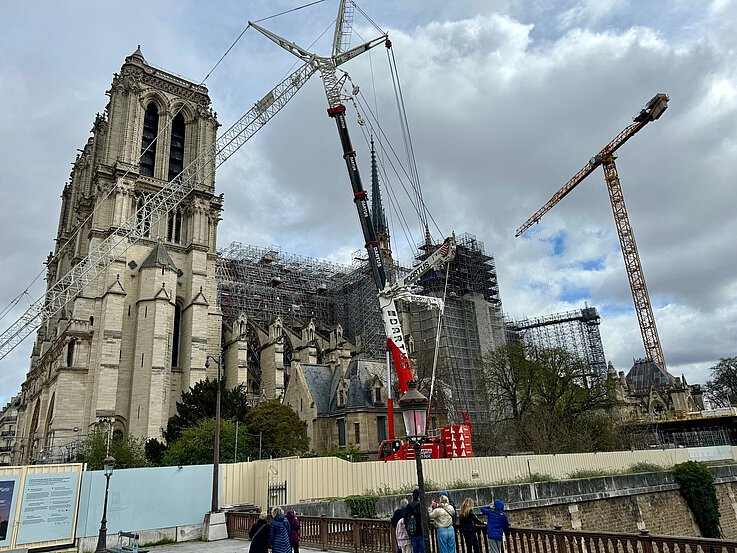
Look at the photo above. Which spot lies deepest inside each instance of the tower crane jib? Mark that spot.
(605, 158)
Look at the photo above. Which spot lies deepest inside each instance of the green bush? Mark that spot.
(697, 488)
(644, 466)
(362, 506)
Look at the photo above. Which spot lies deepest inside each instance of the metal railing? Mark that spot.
(361, 535)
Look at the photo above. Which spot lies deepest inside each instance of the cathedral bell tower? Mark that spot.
(138, 335)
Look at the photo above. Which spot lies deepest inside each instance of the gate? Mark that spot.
(277, 495)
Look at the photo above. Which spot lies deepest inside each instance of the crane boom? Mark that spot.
(652, 111)
(155, 207)
(646, 320)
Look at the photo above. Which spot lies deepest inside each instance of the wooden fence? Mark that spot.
(377, 536)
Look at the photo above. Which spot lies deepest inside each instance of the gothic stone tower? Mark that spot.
(138, 335)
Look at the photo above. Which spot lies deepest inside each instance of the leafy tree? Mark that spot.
(128, 451)
(721, 390)
(276, 429)
(198, 404)
(155, 450)
(546, 400)
(196, 444)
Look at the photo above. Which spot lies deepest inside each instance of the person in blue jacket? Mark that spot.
(279, 532)
(496, 525)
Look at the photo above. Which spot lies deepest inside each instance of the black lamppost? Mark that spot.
(109, 464)
(414, 411)
(214, 507)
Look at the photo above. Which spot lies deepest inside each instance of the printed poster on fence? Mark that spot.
(8, 497)
(48, 507)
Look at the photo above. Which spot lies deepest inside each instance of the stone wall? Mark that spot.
(623, 503)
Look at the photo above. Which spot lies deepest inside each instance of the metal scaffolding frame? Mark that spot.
(575, 331)
(265, 282)
(472, 322)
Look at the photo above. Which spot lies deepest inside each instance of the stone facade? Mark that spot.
(138, 334)
(649, 393)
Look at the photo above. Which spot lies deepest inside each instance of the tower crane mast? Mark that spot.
(605, 158)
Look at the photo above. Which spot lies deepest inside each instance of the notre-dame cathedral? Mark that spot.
(140, 333)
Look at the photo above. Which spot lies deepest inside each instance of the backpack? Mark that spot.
(411, 525)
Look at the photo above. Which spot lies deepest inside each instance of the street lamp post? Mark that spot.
(214, 507)
(414, 411)
(109, 464)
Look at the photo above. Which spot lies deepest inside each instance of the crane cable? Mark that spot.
(437, 339)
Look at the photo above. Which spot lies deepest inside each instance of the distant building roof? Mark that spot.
(646, 374)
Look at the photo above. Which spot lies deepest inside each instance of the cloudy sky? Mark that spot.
(505, 102)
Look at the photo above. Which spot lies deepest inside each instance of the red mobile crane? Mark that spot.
(455, 440)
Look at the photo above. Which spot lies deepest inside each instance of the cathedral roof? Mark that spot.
(319, 378)
(646, 374)
(360, 375)
(159, 257)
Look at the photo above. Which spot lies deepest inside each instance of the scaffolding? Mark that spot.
(472, 323)
(265, 282)
(575, 331)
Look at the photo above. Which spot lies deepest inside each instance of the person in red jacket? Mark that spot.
(293, 530)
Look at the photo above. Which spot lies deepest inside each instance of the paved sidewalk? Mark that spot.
(231, 545)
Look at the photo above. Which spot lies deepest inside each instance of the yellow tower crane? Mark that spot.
(652, 111)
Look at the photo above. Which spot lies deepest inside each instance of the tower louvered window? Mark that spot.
(174, 227)
(176, 153)
(148, 142)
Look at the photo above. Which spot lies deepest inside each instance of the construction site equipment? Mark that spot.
(651, 112)
(156, 207)
(387, 293)
(575, 331)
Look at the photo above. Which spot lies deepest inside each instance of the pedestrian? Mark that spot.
(441, 515)
(279, 532)
(404, 544)
(259, 534)
(413, 523)
(294, 534)
(469, 525)
(455, 509)
(497, 523)
(396, 517)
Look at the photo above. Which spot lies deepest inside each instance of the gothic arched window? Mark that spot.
(176, 153)
(148, 142)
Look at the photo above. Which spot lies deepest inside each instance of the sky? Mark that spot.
(505, 101)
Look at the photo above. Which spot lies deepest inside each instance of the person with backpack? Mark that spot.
(413, 523)
(279, 532)
(441, 515)
(294, 530)
(497, 523)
